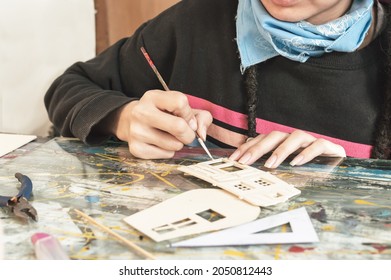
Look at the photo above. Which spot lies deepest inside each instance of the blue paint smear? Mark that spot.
(351, 222)
(92, 198)
(383, 213)
(94, 150)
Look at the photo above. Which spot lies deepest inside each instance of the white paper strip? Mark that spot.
(10, 142)
(251, 233)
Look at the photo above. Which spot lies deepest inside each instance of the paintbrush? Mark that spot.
(161, 80)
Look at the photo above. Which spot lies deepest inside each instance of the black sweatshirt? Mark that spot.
(337, 96)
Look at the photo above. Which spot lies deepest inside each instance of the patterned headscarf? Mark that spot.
(261, 37)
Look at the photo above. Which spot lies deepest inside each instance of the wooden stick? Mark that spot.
(160, 78)
(128, 243)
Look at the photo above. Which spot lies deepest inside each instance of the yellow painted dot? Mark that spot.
(328, 228)
(234, 253)
(364, 202)
(309, 202)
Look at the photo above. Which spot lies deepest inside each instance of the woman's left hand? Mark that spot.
(284, 144)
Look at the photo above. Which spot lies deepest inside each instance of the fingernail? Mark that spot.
(245, 158)
(202, 130)
(193, 124)
(270, 162)
(235, 155)
(296, 160)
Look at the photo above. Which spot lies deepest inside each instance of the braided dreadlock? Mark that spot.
(251, 84)
(382, 147)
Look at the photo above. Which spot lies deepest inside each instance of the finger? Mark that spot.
(156, 137)
(296, 140)
(150, 116)
(175, 103)
(177, 127)
(261, 146)
(147, 151)
(319, 147)
(250, 142)
(204, 120)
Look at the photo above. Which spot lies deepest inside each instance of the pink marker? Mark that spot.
(47, 247)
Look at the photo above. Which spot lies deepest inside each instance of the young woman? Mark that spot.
(303, 77)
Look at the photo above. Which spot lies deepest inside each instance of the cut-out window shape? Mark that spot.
(263, 182)
(231, 168)
(215, 163)
(163, 229)
(181, 221)
(210, 215)
(187, 224)
(253, 185)
(175, 225)
(277, 195)
(243, 187)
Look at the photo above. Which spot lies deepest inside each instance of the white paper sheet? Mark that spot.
(10, 142)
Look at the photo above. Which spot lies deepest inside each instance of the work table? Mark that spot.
(348, 200)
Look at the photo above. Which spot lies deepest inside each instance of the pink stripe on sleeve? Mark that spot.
(239, 120)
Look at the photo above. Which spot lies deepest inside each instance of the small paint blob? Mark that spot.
(92, 198)
(320, 216)
(298, 249)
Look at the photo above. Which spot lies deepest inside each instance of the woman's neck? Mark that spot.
(371, 32)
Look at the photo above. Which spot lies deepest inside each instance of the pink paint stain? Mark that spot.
(298, 249)
(380, 247)
(10, 156)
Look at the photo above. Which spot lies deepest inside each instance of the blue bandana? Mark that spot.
(260, 36)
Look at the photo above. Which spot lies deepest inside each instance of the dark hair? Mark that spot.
(382, 145)
(382, 148)
(251, 84)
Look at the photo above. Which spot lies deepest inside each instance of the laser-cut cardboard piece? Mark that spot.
(192, 212)
(255, 186)
(252, 233)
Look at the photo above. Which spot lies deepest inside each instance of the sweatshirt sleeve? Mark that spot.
(85, 94)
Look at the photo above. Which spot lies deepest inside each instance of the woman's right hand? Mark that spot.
(159, 124)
